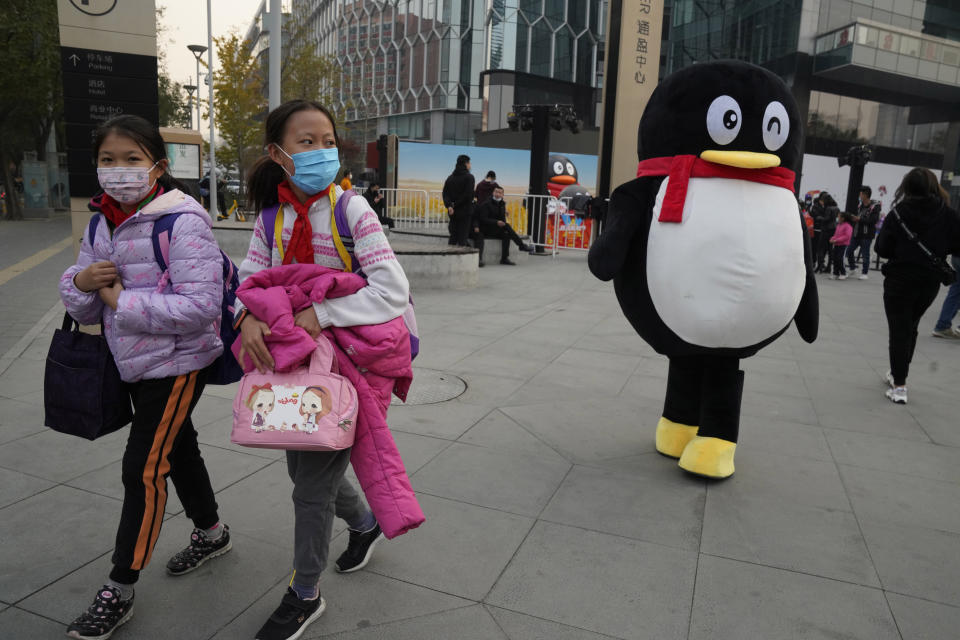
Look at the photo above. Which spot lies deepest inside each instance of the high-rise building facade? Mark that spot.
(413, 67)
(883, 72)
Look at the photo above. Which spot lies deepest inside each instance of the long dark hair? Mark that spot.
(919, 184)
(266, 175)
(146, 136)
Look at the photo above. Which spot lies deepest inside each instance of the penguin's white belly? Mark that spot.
(731, 274)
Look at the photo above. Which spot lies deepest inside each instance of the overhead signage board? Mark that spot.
(108, 56)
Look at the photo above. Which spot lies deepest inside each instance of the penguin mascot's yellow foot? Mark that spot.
(709, 457)
(672, 437)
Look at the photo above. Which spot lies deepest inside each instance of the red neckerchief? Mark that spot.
(682, 168)
(111, 208)
(301, 240)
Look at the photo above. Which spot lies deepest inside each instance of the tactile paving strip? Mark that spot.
(431, 386)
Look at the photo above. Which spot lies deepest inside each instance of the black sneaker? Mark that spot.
(200, 550)
(291, 618)
(358, 550)
(102, 617)
(509, 262)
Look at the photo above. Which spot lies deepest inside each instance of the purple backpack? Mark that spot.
(342, 229)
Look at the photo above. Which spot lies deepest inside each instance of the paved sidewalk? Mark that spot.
(549, 515)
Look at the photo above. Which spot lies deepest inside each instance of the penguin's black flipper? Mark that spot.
(807, 317)
(629, 211)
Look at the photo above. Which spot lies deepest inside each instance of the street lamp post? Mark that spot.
(197, 51)
(214, 211)
(190, 89)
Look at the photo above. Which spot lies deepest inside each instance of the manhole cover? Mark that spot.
(430, 387)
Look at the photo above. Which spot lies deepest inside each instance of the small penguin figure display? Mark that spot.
(561, 173)
(709, 255)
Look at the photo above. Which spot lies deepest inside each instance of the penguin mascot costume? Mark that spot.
(707, 250)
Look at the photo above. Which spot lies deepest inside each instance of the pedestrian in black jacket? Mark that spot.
(458, 199)
(864, 229)
(379, 204)
(492, 216)
(911, 278)
(828, 213)
(485, 187)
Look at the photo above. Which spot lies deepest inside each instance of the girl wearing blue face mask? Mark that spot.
(297, 173)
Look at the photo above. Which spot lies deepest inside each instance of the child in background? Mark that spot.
(162, 340)
(840, 241)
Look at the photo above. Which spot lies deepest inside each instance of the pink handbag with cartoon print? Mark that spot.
(311, 408)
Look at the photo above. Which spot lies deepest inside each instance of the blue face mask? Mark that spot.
(314, 170)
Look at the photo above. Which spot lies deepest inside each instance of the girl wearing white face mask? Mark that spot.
(162, 329)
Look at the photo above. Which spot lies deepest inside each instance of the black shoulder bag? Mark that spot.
(947, 274)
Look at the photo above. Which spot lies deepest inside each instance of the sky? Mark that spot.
(185, 22)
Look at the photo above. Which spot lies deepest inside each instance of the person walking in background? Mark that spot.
(828, 214)
(458, 199)
(868, 214)
(840, 241)
(379, 204)
(162, 330)
(347, 183)
(493, 224)
(951, 304)
(485, 188)
(912, 277)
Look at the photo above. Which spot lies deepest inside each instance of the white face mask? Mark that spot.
(126, 185)
(497, 198)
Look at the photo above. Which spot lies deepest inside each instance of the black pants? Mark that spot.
(838, 251)
(505, 234)
(905, 299)
(460, 228)
(162, 443)
(705, 391)
(823, 250)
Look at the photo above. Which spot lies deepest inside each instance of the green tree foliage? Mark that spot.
(31, 94)
(238, 102)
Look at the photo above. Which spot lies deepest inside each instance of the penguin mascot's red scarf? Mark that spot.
(681, 168)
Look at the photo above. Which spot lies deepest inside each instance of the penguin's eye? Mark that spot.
(571, 169)
(723, 120)
(776, 126)
(558, 168)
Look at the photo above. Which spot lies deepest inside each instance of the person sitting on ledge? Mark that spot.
(493, 224)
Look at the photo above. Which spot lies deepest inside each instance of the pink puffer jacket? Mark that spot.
(155, 334)
(375, 358)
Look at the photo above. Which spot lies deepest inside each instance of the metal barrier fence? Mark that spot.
(548, 221)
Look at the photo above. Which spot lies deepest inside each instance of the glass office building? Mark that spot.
(883, 72)
(413, 67)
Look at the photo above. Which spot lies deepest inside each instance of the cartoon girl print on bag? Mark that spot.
(314, 404)
(261, 402)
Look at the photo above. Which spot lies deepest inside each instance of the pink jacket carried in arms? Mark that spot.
(376, 360)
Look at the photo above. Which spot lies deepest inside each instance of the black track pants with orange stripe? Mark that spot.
(162, 442)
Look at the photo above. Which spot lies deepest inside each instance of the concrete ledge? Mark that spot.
(491, 246)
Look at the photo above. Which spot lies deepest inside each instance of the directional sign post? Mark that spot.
(108, 55)
(98, 85)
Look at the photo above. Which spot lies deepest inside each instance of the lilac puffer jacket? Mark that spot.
(162, 327)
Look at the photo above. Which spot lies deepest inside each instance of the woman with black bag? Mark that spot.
(915, 239)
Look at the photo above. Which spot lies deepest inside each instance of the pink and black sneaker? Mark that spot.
(102, 617)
